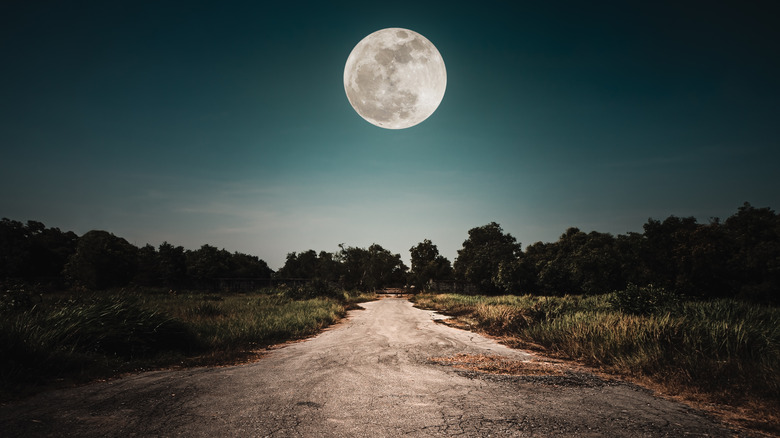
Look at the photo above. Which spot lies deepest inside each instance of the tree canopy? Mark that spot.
(428, 264)
(486, 248)
(738, 257)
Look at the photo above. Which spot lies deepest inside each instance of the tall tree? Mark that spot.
(328, 268)
(482, 253)
(755, 261)
(428, 264)
(663, 243)
(148, 267)
(102, 260)
(300, 265)
(172, 264)
(207, 263)
(595, 264)
(32, 251)
(372, 268)
(248, 266)
(14, 248)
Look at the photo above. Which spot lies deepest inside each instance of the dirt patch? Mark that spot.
(500, 365)
(499, 368)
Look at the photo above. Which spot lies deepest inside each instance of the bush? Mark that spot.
(15, 298)
(205, 309)
(547, 309)
(644, 300)
(312, 289)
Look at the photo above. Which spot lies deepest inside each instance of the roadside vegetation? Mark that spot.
(721, 351)
(703, 321)
(69, 337)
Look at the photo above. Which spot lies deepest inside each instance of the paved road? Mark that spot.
(369, 376)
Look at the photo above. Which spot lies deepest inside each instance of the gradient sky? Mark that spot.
(226, 123)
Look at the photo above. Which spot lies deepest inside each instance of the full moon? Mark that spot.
(395, 78)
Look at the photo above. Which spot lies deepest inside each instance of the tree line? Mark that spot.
(351, 267)
(738, 257)
(99, 260)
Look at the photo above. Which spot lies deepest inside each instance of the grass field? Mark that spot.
(724, 351)
(68, 338)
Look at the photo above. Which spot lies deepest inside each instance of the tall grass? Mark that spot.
(725, 347)
(251, 321)
(76, 337)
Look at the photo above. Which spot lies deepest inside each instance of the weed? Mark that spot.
(205, 309)
(15, 298)
(646, 300)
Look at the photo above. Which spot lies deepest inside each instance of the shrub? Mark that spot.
(313, 289)
(15, 298)
(644, 300)
(546, 309)
(206, 309)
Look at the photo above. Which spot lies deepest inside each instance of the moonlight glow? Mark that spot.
(395, 78)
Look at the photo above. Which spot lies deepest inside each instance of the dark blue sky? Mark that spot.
(227, 123)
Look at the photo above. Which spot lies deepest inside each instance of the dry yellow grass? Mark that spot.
(501, 365)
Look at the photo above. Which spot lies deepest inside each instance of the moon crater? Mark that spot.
(395, 78)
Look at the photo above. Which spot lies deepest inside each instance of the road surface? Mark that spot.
(369, 376)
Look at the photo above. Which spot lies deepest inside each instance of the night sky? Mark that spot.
(226, 123)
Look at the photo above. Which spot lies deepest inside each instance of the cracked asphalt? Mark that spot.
(368, 376)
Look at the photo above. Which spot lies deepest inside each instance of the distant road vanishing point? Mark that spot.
(379, 373)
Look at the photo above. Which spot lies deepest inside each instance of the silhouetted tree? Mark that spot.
(702, 257)
(328, 268)
(14, 248)
(371, 269)
(247, 266)
(309, 265)
(482, 253)
(102, 260)
(33, 252)
(206, 264)
(49, 250)
(595, 264)
(148, 273)
(172, 262)
(303, 265)
(738, 257)
(662, 245)
(755, 262)
(633, 268)
(428, 264)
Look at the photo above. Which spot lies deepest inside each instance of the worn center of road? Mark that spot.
(371, 375)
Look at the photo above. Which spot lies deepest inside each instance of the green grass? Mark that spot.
(72, 338)
(726, 349)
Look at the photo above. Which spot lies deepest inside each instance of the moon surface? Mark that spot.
(395, 78)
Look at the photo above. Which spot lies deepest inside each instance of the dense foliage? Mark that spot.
(739, 257)
(99, 260)
(484, 253)
(352, 268)
(428, 265)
